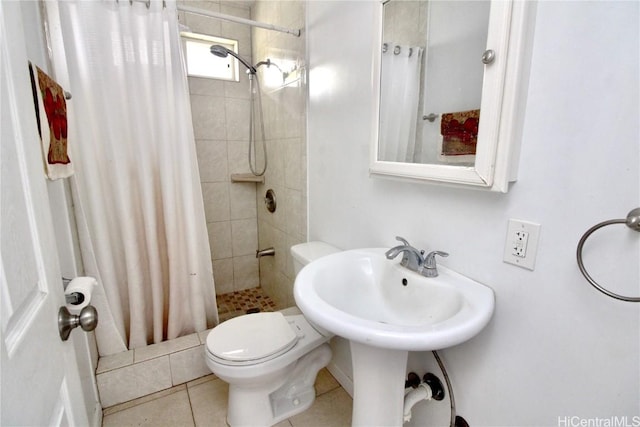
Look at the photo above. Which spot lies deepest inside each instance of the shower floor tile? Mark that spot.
(242, 302)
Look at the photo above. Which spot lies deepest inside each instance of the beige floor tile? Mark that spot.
(325, 382)
(209, 403)
(144, 399)
(172, 410)
(199, 381)
(330, 409)
(208, 398)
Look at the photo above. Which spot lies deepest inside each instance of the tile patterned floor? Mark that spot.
(203, 402)
(242, 302)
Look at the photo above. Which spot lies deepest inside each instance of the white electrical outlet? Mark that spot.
(519, 244)
(522, 243)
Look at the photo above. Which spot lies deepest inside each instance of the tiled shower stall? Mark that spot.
(238, 222)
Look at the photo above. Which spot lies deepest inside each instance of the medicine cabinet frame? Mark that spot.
(504, 91)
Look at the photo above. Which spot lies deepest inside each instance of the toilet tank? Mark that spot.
(304, 253)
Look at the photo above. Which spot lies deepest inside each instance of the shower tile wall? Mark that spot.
(220, 113)
(285, 128)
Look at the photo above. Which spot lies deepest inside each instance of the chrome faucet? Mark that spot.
(411, 258)
(414, 260)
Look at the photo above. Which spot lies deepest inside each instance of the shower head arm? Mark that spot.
(250, 67)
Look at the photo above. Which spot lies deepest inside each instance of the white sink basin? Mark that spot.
(385, 311)
(364, 297)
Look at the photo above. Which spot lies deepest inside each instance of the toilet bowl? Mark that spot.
(270, 360)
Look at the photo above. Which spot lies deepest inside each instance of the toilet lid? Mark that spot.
(251, 337)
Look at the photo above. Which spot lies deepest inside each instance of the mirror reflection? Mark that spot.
(431, 80)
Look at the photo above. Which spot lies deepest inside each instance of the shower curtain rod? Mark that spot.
(238, 20)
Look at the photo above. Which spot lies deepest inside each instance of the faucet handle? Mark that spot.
(430, 269)
(403, 240)
(430, 259)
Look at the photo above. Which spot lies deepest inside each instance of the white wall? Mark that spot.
(555, 347)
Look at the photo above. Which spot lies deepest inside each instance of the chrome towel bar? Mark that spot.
(633, 222)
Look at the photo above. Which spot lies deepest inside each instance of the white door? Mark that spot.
(40, 379)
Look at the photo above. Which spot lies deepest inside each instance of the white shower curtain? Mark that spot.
(399, 96)
(137, 191)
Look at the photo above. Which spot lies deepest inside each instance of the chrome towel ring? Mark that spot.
(633, 222)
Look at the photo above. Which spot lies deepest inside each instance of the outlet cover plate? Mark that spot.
(521, 245)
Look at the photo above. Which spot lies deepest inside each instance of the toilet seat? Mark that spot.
(251, 339)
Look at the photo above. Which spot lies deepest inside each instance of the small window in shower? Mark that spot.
(202, 63)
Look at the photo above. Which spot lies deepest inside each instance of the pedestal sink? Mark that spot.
(385, 311)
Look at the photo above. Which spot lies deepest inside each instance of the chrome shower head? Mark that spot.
(223, 52)
(220, 51)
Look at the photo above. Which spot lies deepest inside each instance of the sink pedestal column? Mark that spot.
(378, 385)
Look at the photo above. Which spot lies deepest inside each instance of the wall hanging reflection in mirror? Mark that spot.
(452, 79)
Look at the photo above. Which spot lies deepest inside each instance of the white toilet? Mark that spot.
(270, 360)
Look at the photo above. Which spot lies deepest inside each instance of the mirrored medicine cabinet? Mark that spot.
(451, 80)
